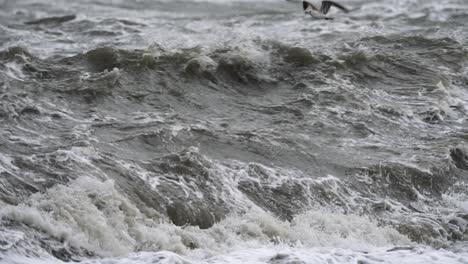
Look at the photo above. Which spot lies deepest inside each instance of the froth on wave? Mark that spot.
(88, 216)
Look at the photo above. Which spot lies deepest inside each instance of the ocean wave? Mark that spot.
(227, 131)
(90, 217)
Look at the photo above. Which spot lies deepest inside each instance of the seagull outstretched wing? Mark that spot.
(308, 7)
(327, 4)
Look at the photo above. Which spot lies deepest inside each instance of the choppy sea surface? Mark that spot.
(233, 131)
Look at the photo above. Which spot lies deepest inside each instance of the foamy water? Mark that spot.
(233, 132)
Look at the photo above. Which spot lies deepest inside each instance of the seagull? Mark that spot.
(322, 12)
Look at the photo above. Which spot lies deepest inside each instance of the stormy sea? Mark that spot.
(233, 131)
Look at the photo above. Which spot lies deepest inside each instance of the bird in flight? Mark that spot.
(324, 8)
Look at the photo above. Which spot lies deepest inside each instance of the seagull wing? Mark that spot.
(327, 4)
(308, 7)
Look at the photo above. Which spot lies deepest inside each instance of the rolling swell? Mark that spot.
(113, 146)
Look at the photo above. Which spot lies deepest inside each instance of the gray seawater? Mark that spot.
(204, 128)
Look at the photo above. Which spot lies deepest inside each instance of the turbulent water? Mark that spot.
(233, 131)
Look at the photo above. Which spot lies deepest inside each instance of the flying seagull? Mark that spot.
(322, 12)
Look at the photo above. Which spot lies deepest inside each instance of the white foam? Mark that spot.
(14, 71)
(93, 215)
(281, 255)
(458, 200)
(107, 77)
(340, 256)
